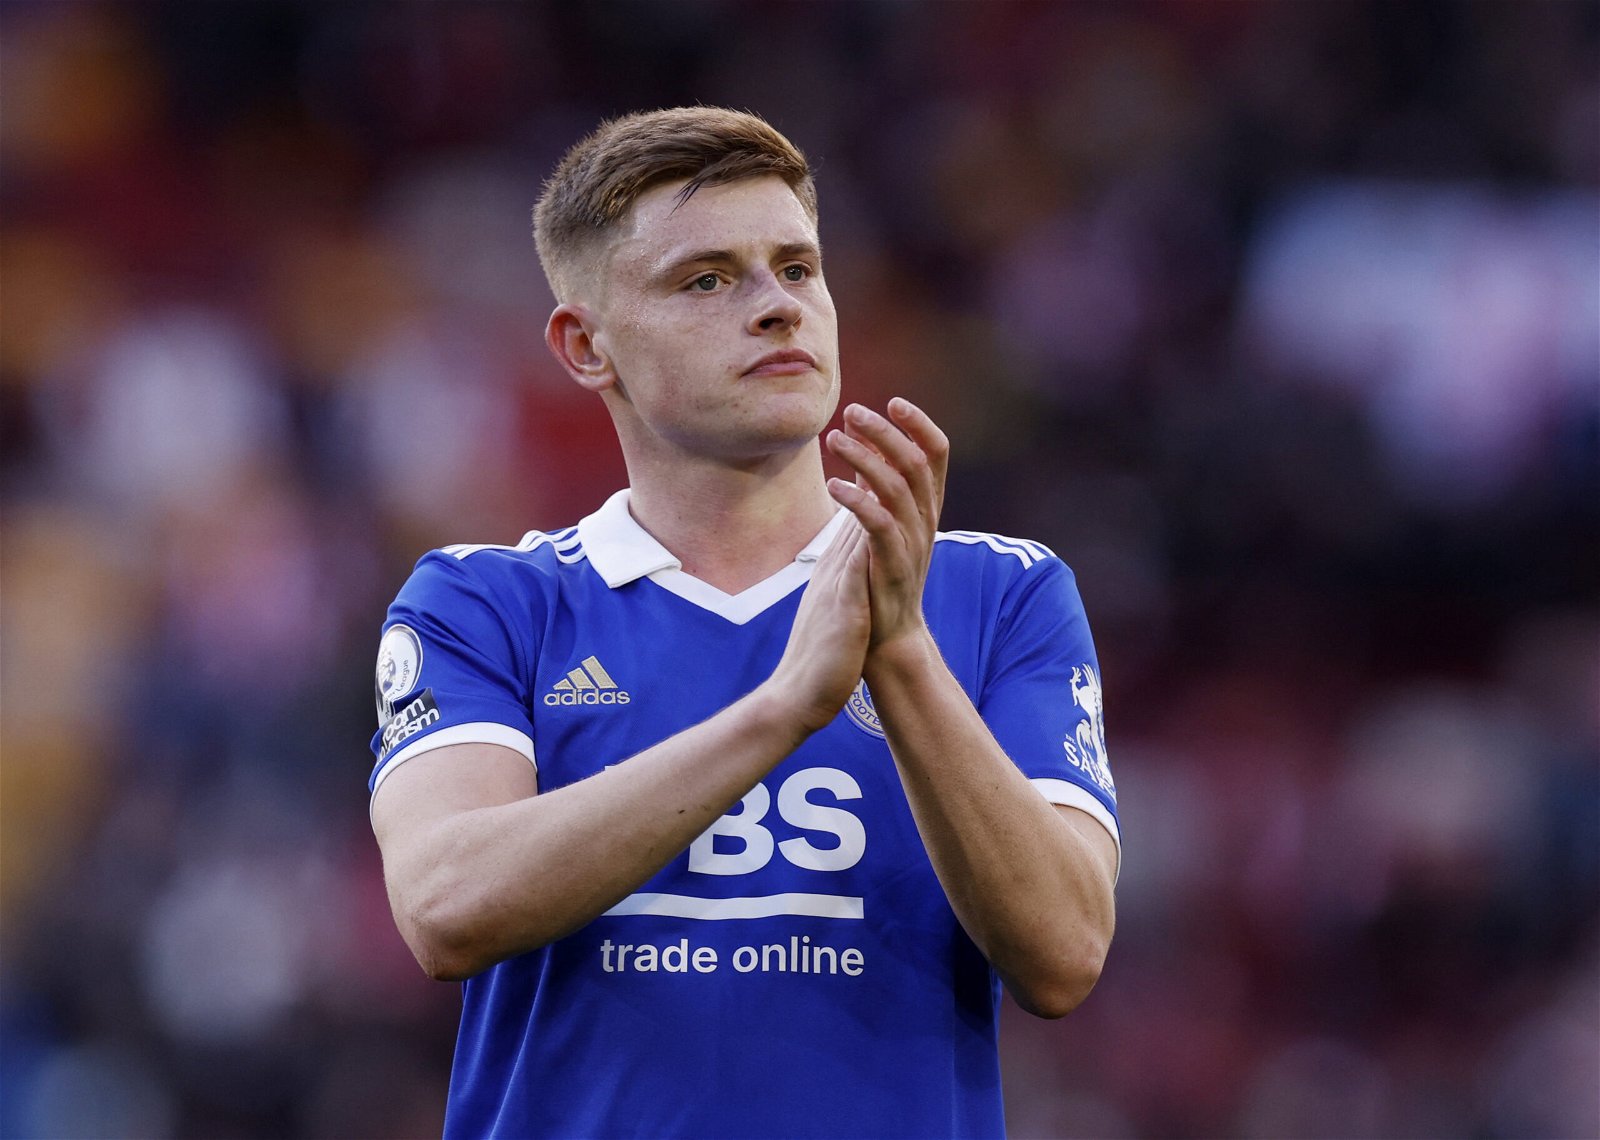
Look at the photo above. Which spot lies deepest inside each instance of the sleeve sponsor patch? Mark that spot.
(410, 719)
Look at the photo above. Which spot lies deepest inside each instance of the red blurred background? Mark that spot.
(1277, 320)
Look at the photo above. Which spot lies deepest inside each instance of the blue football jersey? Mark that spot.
(797, 971)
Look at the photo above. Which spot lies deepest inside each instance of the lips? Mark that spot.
(782, 363)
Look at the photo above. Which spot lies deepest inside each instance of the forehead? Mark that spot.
(745, 217)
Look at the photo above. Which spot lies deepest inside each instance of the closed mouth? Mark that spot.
(789, 360)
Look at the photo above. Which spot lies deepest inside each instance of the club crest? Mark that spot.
(861, 713)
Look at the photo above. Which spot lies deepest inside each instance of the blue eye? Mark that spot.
(706, 282)
(796, 272)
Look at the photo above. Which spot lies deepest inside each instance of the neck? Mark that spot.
(733, 526)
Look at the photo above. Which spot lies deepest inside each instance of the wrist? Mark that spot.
(775, 711)
(907, 658)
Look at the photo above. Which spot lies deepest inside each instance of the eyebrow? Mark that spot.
(784, 252)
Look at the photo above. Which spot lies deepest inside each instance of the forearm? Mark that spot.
(1027, 886)
(476, 886)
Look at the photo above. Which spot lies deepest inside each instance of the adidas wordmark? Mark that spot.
(588, 684)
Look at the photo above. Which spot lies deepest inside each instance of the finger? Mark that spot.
(917, 424)
(867, 510)
(902, 452)
(893, 528)
(883, 534)
(834, 566)
(848, 576)
(878, 475)
(837, 573)
(855, 541)
(856, 557)
(837, 548)
(906, 457)
(872, 517)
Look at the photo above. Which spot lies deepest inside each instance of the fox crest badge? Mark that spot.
(1086, 746)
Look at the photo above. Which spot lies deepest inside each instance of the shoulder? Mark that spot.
(537, 549)
(994, 561)
(999, 574)
(980, 547)
(500, 574)
(540, 556)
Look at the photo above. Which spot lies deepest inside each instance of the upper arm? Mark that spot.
(441, 783)
(1102, 847)
(433, 846)
(452, 670)
(1041, 698)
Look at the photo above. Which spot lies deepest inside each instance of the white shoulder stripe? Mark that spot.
(1037, 549)
(567, 549)
(1025, 551)
(984, 540)
(462, 549)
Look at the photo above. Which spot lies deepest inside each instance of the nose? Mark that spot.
(775, 308)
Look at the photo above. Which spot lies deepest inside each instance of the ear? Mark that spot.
(572, 336)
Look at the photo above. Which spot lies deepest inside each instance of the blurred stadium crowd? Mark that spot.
(1276, 320)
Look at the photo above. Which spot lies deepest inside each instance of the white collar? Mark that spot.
(622, 551)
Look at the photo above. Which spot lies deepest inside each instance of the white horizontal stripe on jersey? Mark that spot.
(478, 732)
(764, 906)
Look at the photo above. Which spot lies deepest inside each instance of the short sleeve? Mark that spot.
(1042, 694)
(449, 669)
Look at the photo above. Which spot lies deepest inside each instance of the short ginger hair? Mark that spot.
(597, 182)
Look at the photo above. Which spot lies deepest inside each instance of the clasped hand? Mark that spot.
(865, 595)
(900, 462)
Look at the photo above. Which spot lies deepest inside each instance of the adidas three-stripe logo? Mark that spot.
(588, 684)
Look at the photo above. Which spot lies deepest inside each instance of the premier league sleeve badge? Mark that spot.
(399, 668)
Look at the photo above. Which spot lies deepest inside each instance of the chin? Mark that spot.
(760, 447)
(790, 417)
(760, 442)
(804, 424)
(754, 430)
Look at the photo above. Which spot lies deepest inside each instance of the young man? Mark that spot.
(735, 803)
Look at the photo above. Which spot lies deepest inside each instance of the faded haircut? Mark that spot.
(602, 176)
